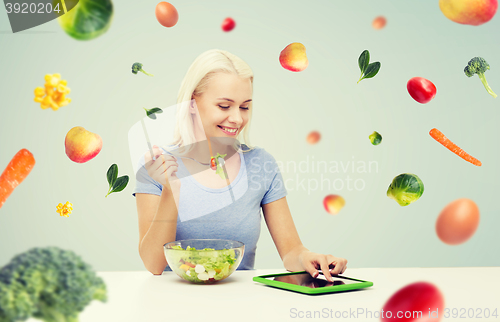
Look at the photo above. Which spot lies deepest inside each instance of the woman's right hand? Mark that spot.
(163, 169)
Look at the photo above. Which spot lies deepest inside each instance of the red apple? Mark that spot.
(294, 58)
(82, 145)
(469, 12)
(333, 204)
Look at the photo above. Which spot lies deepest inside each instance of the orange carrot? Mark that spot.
(441, 138)
(17, 170)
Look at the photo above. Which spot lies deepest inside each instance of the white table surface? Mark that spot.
(140, 296)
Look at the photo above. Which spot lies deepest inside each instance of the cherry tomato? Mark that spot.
(422, 90)
(228, 24)
(166, 14)
(213, 166)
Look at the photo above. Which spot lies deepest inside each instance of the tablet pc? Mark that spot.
(303, 282)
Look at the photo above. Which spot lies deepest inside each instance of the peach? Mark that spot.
(82, 145)
(294, 58)
(469, 12)
(333, 204)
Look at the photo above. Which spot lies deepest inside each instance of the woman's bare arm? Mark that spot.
(157, 226)
(158, 214)
(280, 223)
(294, 255)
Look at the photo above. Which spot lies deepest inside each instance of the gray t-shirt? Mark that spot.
(227, 213)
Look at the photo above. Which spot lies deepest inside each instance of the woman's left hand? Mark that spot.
(329, 264)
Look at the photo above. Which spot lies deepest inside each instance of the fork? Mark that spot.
(178, 156)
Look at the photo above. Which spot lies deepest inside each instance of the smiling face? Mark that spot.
(224, 105)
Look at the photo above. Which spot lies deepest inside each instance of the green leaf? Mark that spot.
(364, 60)
(371, 70)
(120, 184)
(152, 112)
(112, 174)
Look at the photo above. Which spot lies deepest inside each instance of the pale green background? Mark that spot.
(371, 231)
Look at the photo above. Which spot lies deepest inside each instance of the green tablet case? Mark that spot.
(307, 290)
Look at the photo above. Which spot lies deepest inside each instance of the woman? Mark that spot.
(219, 87)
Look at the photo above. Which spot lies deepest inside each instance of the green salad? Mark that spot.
(204, 265)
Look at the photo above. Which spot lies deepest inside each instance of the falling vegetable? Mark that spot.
(54, 92)
(64, 210)
(152, 112)
(479, 66)
(115, 184)
(375, 138)
(137, 67)
(441, 138)
(367, 70)
(49, 284)
(228, 24)
(88, 19)
(421, 89)
(405, 189)
(16, 171)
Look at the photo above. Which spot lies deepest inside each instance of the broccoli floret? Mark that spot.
(137, 67)
(50, 284)
(15, 302)
(479, 66)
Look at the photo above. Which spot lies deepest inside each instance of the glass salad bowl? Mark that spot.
(204, 261)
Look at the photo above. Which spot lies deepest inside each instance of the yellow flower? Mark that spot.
(64, 210)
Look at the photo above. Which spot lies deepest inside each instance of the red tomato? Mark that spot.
(166, 14)
(422, 90)
(213, 165)
(412, 299)
(228, 24)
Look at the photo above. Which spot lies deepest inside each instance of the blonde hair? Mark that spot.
(197, 78)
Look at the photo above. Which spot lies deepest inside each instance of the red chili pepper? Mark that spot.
(212, 164)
